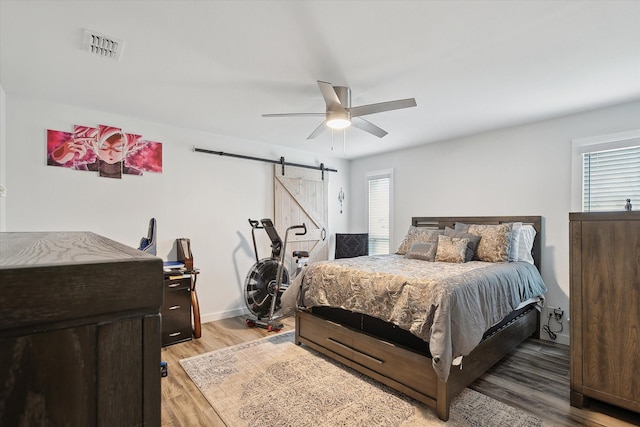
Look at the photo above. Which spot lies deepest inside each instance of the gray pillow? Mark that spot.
(471, 245)
(462, 227)
(422, 250)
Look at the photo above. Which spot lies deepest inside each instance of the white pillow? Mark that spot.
(525, 243)
(514, 241)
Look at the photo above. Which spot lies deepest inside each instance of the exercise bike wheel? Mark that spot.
(260, 285)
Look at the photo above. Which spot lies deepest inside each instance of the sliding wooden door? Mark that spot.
(301, 196)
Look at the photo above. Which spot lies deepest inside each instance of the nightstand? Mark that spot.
(176, 308)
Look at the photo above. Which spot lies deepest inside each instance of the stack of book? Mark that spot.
(174, 268)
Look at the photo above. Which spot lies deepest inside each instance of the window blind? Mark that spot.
(379, 208)
(610, 177)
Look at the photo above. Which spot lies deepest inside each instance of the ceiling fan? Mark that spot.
(340, 114)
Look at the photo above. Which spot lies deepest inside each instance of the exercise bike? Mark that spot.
(269, 278)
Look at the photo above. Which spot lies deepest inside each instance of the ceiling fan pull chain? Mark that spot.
(331, 139)
(344, 142)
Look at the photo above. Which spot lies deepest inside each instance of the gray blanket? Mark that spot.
(446, 304)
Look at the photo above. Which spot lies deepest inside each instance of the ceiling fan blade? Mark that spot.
(330, 96)
(363, 110)
(367, 126)
(295, 115)
(318, 130)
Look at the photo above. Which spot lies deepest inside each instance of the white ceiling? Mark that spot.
(216, 66)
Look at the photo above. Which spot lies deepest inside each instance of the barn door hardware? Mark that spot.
(280, 161)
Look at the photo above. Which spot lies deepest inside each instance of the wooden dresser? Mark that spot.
(605, 308)
(79, 331)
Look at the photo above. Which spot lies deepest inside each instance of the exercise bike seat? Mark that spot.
(301, 254)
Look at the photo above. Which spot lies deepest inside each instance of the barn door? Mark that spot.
(301, 196)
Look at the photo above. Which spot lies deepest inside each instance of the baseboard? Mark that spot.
(210, 317)
(560, 338)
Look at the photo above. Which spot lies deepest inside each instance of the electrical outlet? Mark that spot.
(556, 324)
(555, 312)
(558, 313)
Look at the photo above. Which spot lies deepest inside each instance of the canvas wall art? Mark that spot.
(103, 149)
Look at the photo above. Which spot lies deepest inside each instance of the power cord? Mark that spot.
(547, 328)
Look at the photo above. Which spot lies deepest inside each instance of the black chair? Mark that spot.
(349, 245)
(148, 244)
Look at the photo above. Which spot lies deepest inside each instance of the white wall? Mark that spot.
(524, 170)
(204, 197)
(3, 157)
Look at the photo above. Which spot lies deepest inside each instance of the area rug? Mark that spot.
(273, 382)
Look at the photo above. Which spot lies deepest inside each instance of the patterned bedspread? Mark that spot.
(448, 305)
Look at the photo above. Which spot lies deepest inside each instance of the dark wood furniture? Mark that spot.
(180, 309)
(176, 308)
(605, 308)
(403, 368)
(79, 331)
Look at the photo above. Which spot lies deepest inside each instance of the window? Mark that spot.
(606, 172)
(379, 197)
(610, 177)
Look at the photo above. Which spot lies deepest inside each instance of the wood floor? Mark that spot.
(535, 377)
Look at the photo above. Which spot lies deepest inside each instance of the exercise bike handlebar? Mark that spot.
(254, 223)
(303, 226)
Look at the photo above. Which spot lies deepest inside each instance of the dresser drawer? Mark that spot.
(177, 283)
(394, 362)
(382, 357)
(176, 328)
(329, 335)
(176, 302)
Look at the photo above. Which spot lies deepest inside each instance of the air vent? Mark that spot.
(102, 45)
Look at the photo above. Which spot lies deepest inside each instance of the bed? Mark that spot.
(426, 329)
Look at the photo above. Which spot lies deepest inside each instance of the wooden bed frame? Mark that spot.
(406, 370)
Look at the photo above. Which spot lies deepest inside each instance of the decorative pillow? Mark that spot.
(494, 244)
(525, 243)
(417, 234)
(451, 249)
(514, 241)
(471, 246)
(462, 227)
(422, 250)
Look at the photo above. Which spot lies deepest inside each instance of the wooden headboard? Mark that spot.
(440, 222)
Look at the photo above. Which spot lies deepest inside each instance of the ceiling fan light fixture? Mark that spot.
(338, 112)
(338, 119)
